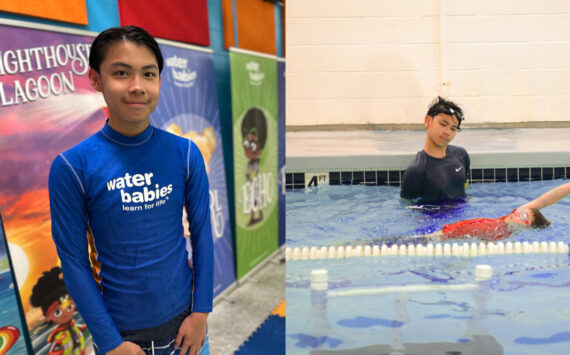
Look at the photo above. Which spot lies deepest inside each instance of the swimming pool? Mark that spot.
(522, 309)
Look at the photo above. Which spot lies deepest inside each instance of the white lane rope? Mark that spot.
(430, 250)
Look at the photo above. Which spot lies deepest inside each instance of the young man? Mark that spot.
(525, 216)
(440, 171)
(126, 187)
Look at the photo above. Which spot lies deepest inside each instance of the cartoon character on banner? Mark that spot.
(206, 142)
(51, 296)
(254, 134)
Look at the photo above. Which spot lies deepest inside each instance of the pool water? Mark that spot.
(332, 215)
(522, 309)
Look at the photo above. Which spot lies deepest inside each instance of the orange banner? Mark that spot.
(255, 25)
(72, 11)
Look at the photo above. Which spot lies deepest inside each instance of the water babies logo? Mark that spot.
(183, 77)
(255, 75)
(147, 198)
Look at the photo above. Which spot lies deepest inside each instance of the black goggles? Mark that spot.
(434, 111)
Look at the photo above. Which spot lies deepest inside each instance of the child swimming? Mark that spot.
(523, 217)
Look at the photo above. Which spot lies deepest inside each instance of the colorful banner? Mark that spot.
(188, 107)
(281, 152)
(11, 326)
(254, 107)
(47, 105)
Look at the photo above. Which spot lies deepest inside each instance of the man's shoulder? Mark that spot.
(419, 161)
(171, 137)
(75, 157)
(457, 150)
(84, 146)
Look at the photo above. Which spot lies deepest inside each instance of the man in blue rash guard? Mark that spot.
(440, 171)
(125, 187)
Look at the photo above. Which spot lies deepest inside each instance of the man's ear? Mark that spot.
(95, 80)
(426, 120)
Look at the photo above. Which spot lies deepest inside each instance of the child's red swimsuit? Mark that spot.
(482, 228)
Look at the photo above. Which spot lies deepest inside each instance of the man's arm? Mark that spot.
(192, 332)
(550, 197)
(69, 232)
(413, 183)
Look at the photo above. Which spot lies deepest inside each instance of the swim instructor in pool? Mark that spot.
(440, 171)
(523, 217)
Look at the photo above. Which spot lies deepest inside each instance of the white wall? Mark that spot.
(383, 62)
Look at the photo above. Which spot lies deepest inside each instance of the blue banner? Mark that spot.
(281, 147)
(188, 107)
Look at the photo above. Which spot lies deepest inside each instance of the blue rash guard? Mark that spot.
(127, 194)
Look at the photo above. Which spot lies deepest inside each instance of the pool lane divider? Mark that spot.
(437, 250)
(320, 292)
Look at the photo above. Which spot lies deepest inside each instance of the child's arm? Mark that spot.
(435, 236)
(550, 197)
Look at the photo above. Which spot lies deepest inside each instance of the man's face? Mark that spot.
(441, 129)
(129, 79)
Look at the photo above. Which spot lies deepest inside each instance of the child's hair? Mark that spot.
(539, 220)
(255, 121)
(49, 288)
(113, 35)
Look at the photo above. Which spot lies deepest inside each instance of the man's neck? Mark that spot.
(434, 150)
(129, 129)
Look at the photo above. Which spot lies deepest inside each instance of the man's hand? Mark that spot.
(192, 334)
(127, 348)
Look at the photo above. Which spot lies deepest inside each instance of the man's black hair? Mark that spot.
(441, 105)
(113, 35)
(254, 118)
(49, 288)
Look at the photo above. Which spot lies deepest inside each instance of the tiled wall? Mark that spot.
(381, 62)
(394, 177)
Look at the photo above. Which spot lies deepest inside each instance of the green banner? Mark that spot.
(254, 107)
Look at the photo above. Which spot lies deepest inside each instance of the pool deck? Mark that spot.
(395, 149)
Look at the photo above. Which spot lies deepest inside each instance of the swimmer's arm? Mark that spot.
(435, 236)
(550, 197)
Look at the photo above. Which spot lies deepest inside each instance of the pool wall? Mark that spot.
(307, 171)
